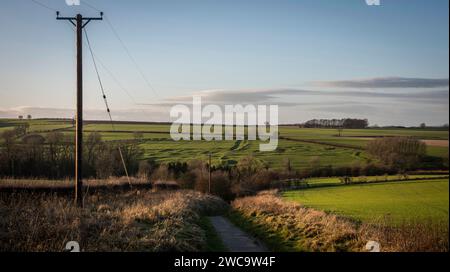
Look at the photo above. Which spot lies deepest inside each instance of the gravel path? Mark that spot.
(234, 238)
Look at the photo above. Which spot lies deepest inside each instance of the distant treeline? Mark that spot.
(52, 157)
(346, 123)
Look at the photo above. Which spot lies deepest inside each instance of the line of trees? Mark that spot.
(347, 123)
(52, 156)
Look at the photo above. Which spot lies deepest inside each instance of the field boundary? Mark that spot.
(324, 185)
(323, 143)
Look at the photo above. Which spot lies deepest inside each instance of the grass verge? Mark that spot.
(111, 221)
(287, 226)
(213, 242)
(274, 240)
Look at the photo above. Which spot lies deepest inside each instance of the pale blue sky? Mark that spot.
(245, 46)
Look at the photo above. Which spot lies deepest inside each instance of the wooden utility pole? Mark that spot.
(79, 22)
(209, 179)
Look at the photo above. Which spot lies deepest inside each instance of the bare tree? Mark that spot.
(402, 153)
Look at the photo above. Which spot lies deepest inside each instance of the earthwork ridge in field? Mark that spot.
(322, 143)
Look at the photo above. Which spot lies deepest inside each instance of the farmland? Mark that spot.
(324, 214)
(286, 225)
(328, 215)
(299, 145)
(396, 201)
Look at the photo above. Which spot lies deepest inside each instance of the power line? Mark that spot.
(111, 74)
(127, 51)
(106, 103)
(85, 2)
(96, 70)
(90, 6)
(120, 85)
(99, 61)
(43, 5)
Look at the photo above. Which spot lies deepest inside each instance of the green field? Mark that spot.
(335, 181)
(317, 133)
(397, 201)
(299, 145)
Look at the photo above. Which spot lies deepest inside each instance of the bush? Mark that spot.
(221, 185)
(187, 180)
(162, 173)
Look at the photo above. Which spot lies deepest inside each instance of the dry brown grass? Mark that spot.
(411, 236)
(67, 183)
(111, 221)
(37, 223)
(303, 229)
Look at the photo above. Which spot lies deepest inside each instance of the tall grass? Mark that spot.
(130, 221)
(409, 236)
(11, 183)
(291, 227)
(37, 223)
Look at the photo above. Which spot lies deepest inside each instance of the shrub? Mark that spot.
(162, 173)
(221, 185)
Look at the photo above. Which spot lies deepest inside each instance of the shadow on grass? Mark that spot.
(213, 242)
(275, 240)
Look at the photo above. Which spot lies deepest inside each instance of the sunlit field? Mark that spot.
(399, 201)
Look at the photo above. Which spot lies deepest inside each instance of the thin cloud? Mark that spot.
(291, 97)
(386, 82)
(235, 96)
